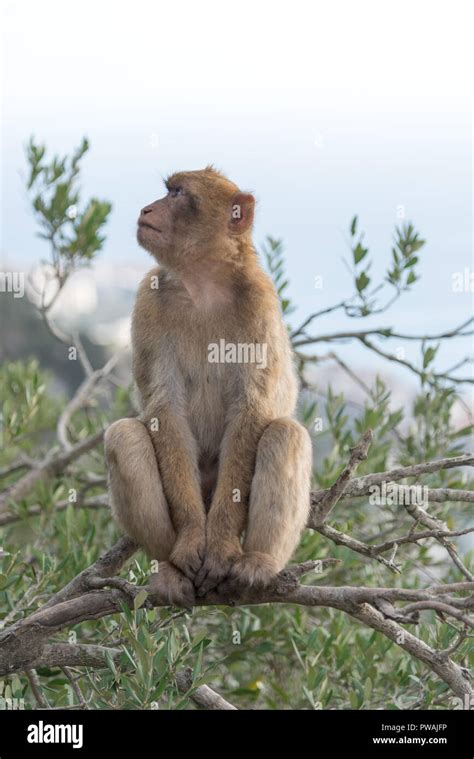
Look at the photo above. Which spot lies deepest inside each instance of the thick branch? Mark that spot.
(106, 565)
(90, 595)
(440, 663)
(75, 655)
(23, 643)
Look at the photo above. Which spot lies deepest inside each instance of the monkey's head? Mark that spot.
(204, 216)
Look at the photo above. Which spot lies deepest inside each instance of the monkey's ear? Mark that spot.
(241, 213)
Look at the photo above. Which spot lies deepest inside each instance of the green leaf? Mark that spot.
(198, 664)
(362, 281)
(359, 253)
(140, 599)
(367, 690)
(428, 356)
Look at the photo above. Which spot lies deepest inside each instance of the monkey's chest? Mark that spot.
(209, 394)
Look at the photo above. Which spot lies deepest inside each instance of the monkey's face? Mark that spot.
(191, 224)
(158, 223)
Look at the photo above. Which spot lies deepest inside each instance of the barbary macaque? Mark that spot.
(213, 478)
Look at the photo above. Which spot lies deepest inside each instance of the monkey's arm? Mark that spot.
(161, 389)
(176, 454)
(227, 515)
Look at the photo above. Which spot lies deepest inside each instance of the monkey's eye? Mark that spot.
(175, 192)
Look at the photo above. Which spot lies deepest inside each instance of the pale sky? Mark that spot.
(324, 110)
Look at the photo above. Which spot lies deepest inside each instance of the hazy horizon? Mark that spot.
(283, 115)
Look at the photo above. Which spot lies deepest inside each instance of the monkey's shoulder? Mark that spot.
(150, 296)
(151, 283)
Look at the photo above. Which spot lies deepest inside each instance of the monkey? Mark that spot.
(213, 478)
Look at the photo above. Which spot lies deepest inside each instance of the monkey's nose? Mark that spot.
(145, 210)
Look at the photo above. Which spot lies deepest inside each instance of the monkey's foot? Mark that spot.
(171, 587)
(253, 569)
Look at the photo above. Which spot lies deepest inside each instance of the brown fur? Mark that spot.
(227, 458)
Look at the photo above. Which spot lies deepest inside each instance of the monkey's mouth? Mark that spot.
(147, 225)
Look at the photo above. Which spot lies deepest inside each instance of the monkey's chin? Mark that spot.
(148, 239)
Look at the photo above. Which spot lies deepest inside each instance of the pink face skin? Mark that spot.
(155, 224)
(192, 227)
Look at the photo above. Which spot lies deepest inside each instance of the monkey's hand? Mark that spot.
(188, 551)
(220, 557)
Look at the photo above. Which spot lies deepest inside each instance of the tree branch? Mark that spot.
(332, 496)
(96, 592)
(360, 486)
(385, 332)
(203, 696)
(52, 465)
(24, 642)
(80, 398)
(75, 655)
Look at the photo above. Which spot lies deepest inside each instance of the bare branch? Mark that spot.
(422, 517)
(413, 537)
(81, 398)
(44, 310)
(341, 539)
(203, 696)
(76, 688)
(23, 642)
(300, 330)
(452, 674)
(35, 685)
(16, 466)
(97, 592)
(441, 608)
(70, 341)
(332, 496)
(360, 486)
(106, 565)
(75, 655)
(421, 373)
(462, 635)
(385, 332)
(52, 465)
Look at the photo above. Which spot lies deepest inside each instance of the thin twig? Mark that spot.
(35, 685)
(358, 454)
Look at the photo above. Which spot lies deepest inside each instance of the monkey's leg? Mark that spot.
(279, 502)
(139, 504)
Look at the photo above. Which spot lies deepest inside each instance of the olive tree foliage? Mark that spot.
(375, 611)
